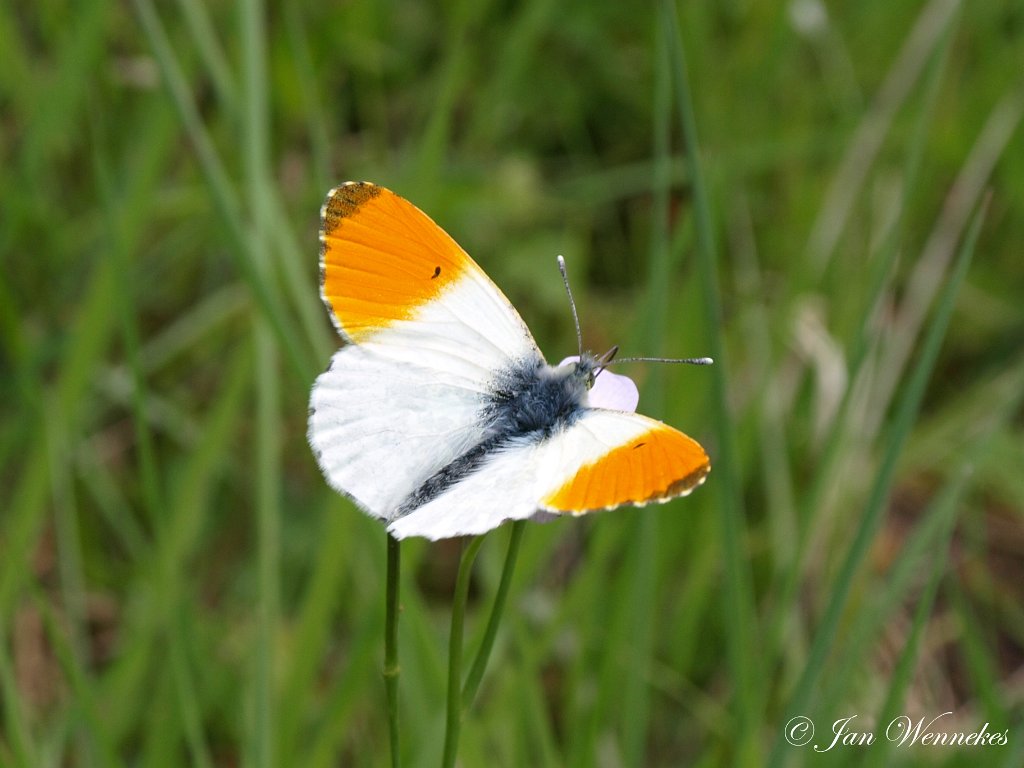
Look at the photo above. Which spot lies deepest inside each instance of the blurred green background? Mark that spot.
(178, 585)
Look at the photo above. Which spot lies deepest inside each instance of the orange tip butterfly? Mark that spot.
(440, 416)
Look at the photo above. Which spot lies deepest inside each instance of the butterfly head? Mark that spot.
(603, 388)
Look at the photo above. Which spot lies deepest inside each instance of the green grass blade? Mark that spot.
(116, 238)
(68, 535)
(926, 277)
(306, 77)
(202, 33)
(78, 47)
(96, 747)
(256, 145)
(981, 671)
(455, 712)
(18, 740)
(740, 619)
(636, 650)
(863, 150)
(92, 331)
(455, 67)
(483, 655)
(312, 637)
(302, 361)
(190, 708)
(391, 666)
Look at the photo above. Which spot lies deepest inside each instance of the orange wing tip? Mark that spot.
(657, 466)
(382, 259)
(677, 490)
(342, 202)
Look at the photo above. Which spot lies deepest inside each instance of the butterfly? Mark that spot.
(440, 416)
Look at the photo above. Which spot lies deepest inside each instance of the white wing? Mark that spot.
(389, 414)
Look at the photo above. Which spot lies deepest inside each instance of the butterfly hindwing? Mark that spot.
(625, 458)
(599, 460)
(379, 428)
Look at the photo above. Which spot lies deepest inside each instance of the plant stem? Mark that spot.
(454, 721)
(391, 668)
(476, 672)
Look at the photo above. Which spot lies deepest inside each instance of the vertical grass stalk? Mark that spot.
(256, 155)
(391, 667)
(454, 715)
(483, 654)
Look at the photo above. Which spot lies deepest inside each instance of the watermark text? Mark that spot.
(902, 731)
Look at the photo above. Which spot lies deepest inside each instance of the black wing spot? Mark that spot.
(437, 271)
(639, 445)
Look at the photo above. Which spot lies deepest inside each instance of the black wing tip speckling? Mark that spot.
(343, 201)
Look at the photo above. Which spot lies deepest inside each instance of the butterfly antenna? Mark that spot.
(572, 304)
(687, 360)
